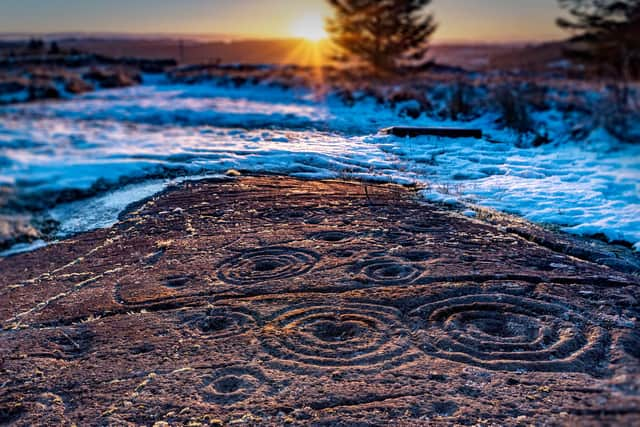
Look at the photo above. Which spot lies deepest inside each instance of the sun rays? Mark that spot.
(308, 53)
(312, 49)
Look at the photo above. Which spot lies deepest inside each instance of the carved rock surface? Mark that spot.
(272, 301)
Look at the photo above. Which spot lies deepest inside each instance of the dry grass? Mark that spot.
(514, 109)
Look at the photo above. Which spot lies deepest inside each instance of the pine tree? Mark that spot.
(386, 35)
(607, 35)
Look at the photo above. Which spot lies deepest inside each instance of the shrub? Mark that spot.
(404, 95)
(459, 105)
(346, 96)
(513, 108)
(535, 95)
(619, 114)
(54, 49)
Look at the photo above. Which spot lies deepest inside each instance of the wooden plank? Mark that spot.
(412, 132)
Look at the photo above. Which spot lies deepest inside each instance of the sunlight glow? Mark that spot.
(310, 27)
(308, 54)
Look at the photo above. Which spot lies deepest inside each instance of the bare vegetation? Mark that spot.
(459, 106)
(520, 101)
(514, 109)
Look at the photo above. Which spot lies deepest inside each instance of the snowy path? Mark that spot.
(589, 188)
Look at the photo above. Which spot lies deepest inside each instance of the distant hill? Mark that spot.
(115, 36)
(215, 48)
(191, 52)
(467, 55)
(471, 56)
(534, 58)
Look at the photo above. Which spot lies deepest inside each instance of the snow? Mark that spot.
(158, 130)
(102, 211)
(20, 96)
(470, 213)
(23, 247)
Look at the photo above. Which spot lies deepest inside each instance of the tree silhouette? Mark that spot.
(35, 45)
(54, 49)
(607, 35)
(386, 35)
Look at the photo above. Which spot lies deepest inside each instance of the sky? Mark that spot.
(460, 20)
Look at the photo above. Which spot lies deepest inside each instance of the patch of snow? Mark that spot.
(469, 213)
(13, 97)
(23, 247)
(435, 197)
(103, 211)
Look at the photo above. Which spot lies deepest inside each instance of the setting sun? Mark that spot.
(309, 27)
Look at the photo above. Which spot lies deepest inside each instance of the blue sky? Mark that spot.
(489, 20)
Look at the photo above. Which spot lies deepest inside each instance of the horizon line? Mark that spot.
(220, 37)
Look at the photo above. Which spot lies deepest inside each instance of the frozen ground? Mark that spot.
(131, 139)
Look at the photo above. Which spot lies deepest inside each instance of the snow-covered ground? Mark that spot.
(133, 136)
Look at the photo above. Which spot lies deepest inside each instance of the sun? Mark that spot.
(309, 27)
